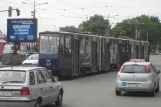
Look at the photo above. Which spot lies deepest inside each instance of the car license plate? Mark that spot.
(5, 94)
(133, 85)
(123, 83)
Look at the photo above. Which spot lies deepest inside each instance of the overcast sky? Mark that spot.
(57, 13)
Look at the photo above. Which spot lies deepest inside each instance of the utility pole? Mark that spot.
(147, 35)
(108, 24)
(34, 5)
(34, 9)
(136, 31)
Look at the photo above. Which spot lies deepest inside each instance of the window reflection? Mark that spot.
(49, 44)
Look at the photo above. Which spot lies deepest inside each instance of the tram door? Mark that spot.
(94, 54)
(120, 53)
(102, 54)
(75, 55)
(107, 56)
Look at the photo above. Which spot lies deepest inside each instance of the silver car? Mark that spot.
(137, 76)
(29, 87)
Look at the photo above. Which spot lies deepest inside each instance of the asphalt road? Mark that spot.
(98, 91)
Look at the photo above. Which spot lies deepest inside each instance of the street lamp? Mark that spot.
(35, 4)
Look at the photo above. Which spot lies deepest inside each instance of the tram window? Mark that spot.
(82, 45)
(49, 44)
(43, 44)
(67, 49)
(54, 44)
(88, 45)
(61, 45)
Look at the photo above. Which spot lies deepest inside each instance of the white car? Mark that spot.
(32, 60)
(137, 75)
(23, 86)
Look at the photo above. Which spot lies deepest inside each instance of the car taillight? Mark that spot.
(122, 67)
(148, 69)
(25, 91)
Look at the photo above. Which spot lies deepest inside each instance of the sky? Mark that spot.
(61, 13)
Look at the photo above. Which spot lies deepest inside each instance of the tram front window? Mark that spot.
(49, 44)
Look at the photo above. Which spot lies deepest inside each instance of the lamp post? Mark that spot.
(35, 4)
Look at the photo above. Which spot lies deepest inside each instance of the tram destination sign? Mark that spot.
(21, 30)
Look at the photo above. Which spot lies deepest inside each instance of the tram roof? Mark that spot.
(57, 32)
(62, 32)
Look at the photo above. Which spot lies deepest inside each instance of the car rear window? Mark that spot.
(33, 57)
(134, 69)
(12, 76)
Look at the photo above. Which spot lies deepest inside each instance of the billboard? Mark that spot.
(22, 30)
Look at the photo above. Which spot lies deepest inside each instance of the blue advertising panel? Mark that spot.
(22, 30)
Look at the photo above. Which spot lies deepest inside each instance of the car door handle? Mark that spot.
(41, 89)
(51, 87)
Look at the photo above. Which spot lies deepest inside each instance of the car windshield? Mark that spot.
(12, 76)
(134, 69)
(33, 57)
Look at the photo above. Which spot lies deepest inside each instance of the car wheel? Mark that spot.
(118, 92)
(59, 99)
(158, 88)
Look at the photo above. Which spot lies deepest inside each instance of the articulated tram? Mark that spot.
(72, 54)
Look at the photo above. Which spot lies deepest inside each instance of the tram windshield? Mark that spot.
(49, 43)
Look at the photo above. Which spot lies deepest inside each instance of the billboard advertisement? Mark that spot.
(21, 30)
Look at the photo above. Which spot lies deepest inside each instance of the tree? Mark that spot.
(145, 24)
(70, 29)
(96, 24)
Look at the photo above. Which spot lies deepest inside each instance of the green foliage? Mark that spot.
(144, 23)
(96, 24)
(151, 23)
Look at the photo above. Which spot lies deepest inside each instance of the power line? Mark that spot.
(41, 8)
(66, 11)
(16, 3)
(61, 14)
(74, 6)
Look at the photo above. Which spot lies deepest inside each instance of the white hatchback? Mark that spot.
(29, 87)
(137, 75)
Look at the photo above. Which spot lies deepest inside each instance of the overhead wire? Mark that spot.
(67, 11)
(74, 6)
(60, 14)
(16, 3)
(41, 8)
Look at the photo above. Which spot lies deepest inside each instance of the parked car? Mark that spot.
(32, 60)
(24, 86)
